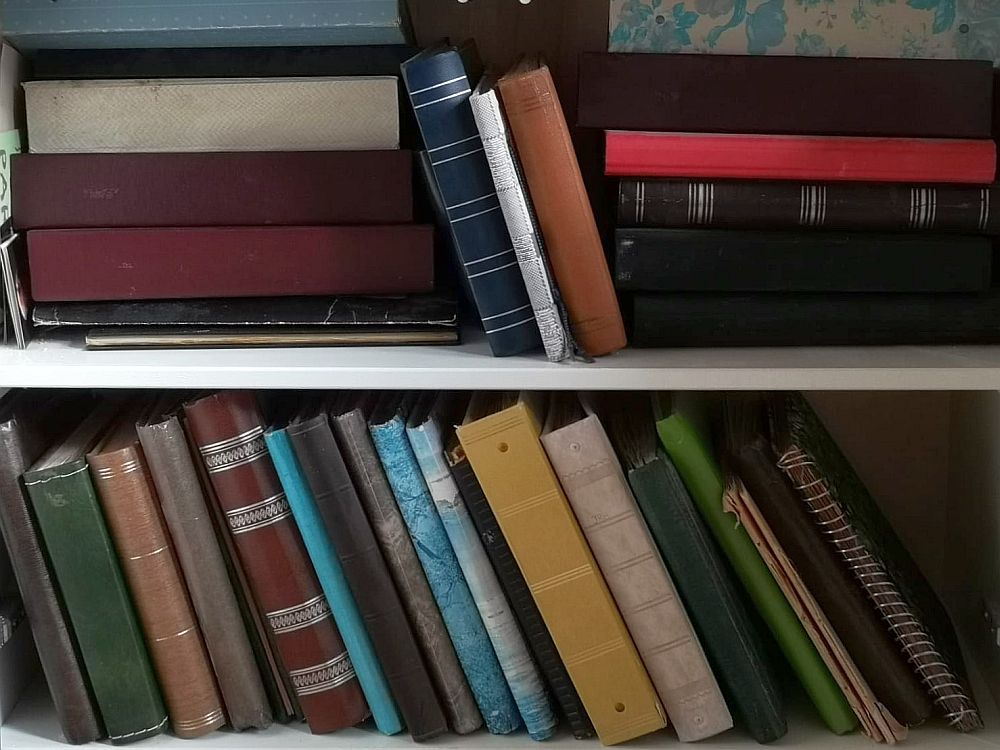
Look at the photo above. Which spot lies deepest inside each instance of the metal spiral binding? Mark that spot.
(917, 645)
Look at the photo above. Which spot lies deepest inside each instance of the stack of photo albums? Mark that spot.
(165, 201)
(222, 194)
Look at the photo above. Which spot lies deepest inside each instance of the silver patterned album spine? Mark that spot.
(519, 217)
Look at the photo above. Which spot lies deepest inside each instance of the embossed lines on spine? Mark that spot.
(321, 677)
(299, 616)
(110, 472)
(235, 451)
(257, 515)
(315, 678)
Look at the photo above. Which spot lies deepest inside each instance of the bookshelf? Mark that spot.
(921, 423)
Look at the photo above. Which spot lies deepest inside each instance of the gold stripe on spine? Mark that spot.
(264, 513)
(178, 634)
(156, 551)
(191, 725)
(322, 677)
(299, 616)
(108, 472)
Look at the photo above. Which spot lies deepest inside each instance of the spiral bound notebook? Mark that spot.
(873, 717)
(697, 465)
(848, 517)
(881, 691)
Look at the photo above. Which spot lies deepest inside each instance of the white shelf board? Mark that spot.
(470, 365)
(33, 726)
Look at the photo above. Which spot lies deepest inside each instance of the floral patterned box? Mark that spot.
(968, 29)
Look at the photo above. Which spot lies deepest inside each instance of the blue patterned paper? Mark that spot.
(949, 29)
(472, 644)
(331, 577)
(522, 674)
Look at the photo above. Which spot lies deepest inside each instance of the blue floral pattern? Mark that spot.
(962, 29)
(766, 27)
(814, 45)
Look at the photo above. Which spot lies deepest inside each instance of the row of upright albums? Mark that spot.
(446, 561)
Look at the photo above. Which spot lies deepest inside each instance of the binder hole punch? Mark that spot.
(503, 447)
(620, 707)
